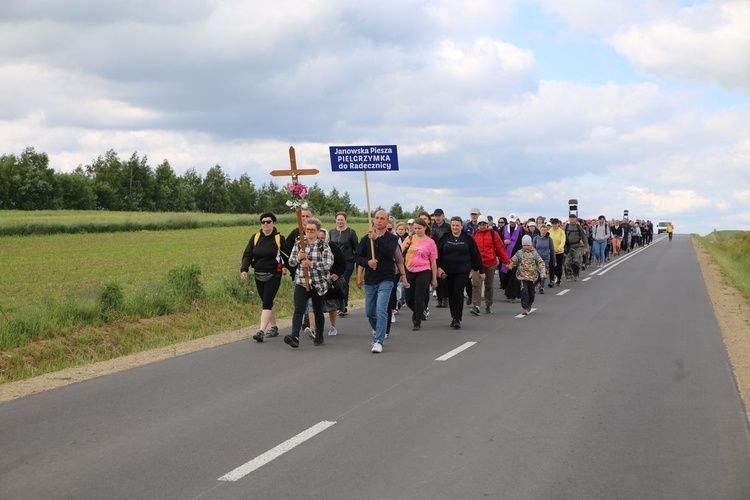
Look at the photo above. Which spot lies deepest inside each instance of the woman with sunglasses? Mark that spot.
(318, 260)
(266, 253)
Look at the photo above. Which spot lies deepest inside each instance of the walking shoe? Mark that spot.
(344, 312)
(474, 310)
(332, 332)
(319, 340)
(393, 318)
(416, 327)
(551, 284)
(457, 325)
(441, 303)
(558, 283)
(468, 301)
(541, 290)
(376, 347)
(259, 336)
(453, 322)
(525, 312)
(487, 310)
(426, 312)
(575, 278)
(291, 341)
(273, 332)
(309, 332)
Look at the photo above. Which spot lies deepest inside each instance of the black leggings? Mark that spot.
(267, 290)
(454, 290)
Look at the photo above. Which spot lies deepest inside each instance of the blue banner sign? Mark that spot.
(363, 158)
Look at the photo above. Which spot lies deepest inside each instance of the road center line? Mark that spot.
(289, 444)
(564, 291)
(455, 351)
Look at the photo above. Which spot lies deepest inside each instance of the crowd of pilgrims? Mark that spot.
(404, 264)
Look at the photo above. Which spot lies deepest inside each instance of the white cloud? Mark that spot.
(706, 43)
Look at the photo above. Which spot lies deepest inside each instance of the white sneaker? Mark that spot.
(377, 347)
(332, 332)
(309, 332)
(393, 318)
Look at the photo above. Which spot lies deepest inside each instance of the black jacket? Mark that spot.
(263, 256)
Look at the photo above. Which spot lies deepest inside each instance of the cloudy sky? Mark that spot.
(505, 105)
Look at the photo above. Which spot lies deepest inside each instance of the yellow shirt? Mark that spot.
(558, 237)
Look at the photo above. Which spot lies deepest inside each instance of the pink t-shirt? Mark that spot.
(419, 255)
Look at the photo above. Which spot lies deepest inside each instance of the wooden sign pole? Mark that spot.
(295, 173)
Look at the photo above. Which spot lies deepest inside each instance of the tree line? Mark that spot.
(27, 182)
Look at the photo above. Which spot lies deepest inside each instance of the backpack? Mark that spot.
(520, 252)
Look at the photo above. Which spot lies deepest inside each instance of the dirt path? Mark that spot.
(732, 312)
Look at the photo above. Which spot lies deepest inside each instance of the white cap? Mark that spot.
(481, 219)
(410, 221)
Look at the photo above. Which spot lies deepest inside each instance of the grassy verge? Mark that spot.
(731, 251)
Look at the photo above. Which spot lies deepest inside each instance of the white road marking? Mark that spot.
(455, 351)
(586, 279)
(261, 460)
(563, 292)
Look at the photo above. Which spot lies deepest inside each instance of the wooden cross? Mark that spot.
(294, 172)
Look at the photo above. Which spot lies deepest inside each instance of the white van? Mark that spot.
(661, 227)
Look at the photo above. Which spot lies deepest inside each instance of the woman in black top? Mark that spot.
(458, 255)
(266, 252)
(345, 238)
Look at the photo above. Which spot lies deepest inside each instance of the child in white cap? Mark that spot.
(530, 268)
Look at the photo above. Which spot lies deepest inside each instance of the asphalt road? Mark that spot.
(619, 388)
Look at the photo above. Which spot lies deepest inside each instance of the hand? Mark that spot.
(302, 255)
(434, 283)
(372, 234)
(359, 281)
(284, 271)
(305, 263)
(482, 276)
(334, 277)
(243, 276)
(373, 263)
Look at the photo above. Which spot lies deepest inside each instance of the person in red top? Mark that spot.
(492, 251)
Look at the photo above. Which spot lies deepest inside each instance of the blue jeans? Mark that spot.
(599, 248)
(377, 298)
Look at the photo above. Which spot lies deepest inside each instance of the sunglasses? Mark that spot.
(313, 230)
(268, 221)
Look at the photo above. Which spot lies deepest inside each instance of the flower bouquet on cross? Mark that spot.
(296, 193)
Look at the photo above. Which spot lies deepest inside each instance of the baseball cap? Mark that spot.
(475, 211)
(481, 219)
(531, 223)
(439, 211)
(512, 217)
(410, 221)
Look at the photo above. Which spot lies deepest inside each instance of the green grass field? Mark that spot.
(50, 285)
(731, 249)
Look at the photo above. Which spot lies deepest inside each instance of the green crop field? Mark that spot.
(52, 288)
